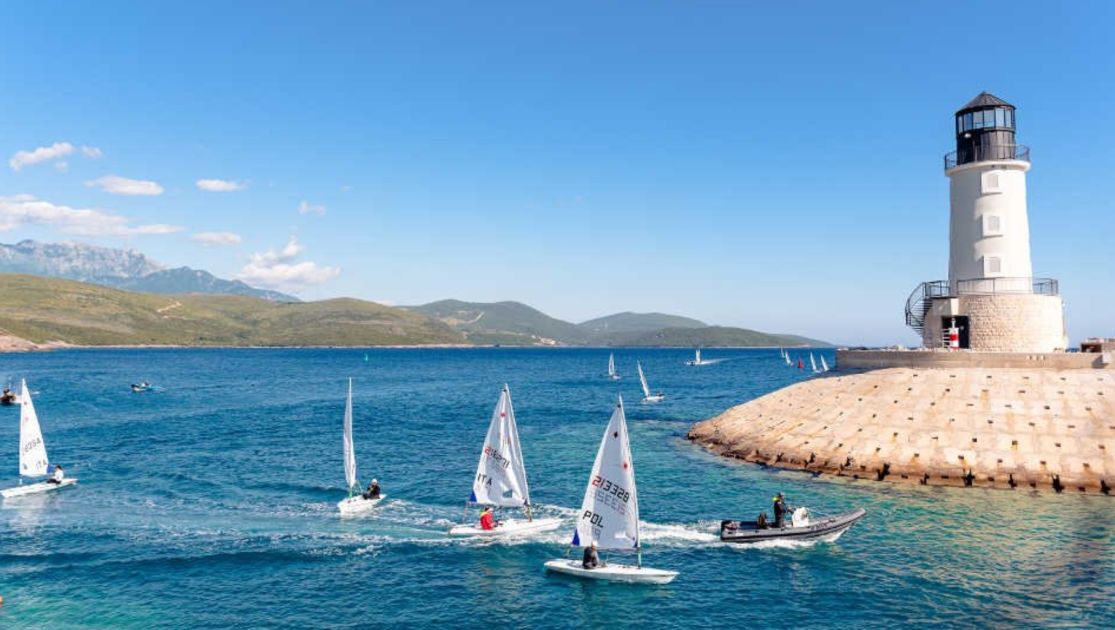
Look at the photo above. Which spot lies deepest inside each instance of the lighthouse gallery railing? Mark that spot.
(1018, 152)
(917, 305)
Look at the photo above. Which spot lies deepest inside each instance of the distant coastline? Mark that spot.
(41, 313)
(12, 345)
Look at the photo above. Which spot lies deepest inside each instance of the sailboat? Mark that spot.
(612, 374)
(786, 356)
(501, 477)
(647, 396)
(355, 503)
(32, 451)
(610, 512)
(824, 366)
(697, 359)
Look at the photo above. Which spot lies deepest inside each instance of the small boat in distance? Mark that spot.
(501, 477)
(697, 359)
(610, 513)
(824, 366)
(786, 357)
(355, 503)
(612, 374)
(647, 396)
(813, 363)
(8, 397)
(144, 386)
(33, 460)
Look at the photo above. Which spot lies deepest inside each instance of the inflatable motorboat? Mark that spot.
(801, 527)
(145, 386)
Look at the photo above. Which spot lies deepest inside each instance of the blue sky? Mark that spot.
(775, 167)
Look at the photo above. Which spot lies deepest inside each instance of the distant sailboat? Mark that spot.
(33, 461)
(824, 366)
(355, 503)
(697, 359)
(786, 357)
(501, 477)
(612, 374)
(813, 363)
(647, 396)
(610, 512)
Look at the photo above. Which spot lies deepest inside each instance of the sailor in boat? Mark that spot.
(591, 559)
(780, 510)
(373, 490)
(58, 475)
(8, 397)
(488, 520)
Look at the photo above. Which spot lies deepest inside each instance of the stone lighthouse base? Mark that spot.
(1038, 428)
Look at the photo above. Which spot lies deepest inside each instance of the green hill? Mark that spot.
(502, 322)
(47, 309)
(629, 323)
(712, 336)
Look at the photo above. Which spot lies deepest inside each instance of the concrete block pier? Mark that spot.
(1040, 428)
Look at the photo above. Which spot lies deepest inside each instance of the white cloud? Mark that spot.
(92, 152)
(310, 208)
(20, 210)
(276, 269)
(41, 154)
(117, 185)
(220, 185)
(62, 166)
(216, 239)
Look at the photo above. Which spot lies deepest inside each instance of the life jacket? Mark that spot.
(486, 521)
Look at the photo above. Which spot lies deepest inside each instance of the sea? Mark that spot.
(211, 503)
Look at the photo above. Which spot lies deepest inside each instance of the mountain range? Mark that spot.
(514, 323)
(207, 310)
(43, 310)
(119, 268)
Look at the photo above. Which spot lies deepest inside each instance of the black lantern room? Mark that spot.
(985, 131)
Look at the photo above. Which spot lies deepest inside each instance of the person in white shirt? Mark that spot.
(58, 475)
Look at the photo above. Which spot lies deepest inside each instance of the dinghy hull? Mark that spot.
(827, 529)
(358, 505)
(508, 528)
(35, 488)
(625, 573)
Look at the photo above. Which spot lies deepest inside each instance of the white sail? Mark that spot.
(350, 451)
(824, 365)
(697, 361)
(501, 477)
(812, 362)
(787, 357)
(612, 365)
(32, 450)
(610, 510)
(643, 380)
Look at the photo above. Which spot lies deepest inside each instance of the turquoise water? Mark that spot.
(211, 503)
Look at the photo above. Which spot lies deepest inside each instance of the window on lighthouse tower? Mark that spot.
(992, 265)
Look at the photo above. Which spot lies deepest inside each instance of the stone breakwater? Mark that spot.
(988, 427)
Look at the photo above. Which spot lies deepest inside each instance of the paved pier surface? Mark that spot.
(1036, 428)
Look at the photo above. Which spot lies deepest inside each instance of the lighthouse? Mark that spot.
(991, 300)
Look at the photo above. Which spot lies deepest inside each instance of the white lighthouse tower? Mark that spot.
(991, 301)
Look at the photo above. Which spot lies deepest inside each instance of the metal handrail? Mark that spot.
(918, 301)
(986, 286)
(1019, 152)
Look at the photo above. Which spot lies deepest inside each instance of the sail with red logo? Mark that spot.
(609, 517)
(501, 477)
